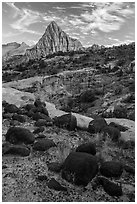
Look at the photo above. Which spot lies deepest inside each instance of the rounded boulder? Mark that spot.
(111, 169)
(87, 148)
(16, 135)
(79, 168)
(97, 125)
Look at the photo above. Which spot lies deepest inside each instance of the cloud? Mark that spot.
(76, 22)
(15, 9)
(106, 17)
(10, 34)
(59, 8)
(51, 18)
(26, 17)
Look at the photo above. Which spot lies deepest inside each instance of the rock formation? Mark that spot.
(53, 40)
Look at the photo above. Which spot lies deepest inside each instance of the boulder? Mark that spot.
(29, 107)
(39, 103)
(38, 115)
(7, 115)
(43, 110)
(68, 121)
(111, 169)
(55, 185)
(87, 148)
(113, 133)
(16, 135)
(79, 168)
(110, 187)
(42, 177)
(11, 108)
(97, 125)
(20, 150)
(20, 118)
(14, 123)
(43, 122)
(43, 144)
(38, 130)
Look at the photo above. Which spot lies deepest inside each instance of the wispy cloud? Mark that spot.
(27, 17)
(59, 8)
(15, 9)
(106, 17)
(10, 34)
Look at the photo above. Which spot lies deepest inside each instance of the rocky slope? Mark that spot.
(53, 40)
(30, 171)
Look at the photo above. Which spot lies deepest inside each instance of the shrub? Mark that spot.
(87, 96)
(120, 112)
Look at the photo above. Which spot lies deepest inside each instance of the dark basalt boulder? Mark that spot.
(43, 122)
(29, 107)
(110, 187)
(17, 135)
(38, 115)
(79, 168)
(43, 110)
(42, 178)
(20, 150)
(87, 148)
(55, 166)
(55, 185)
(14, 123)
(11, 108)
(120, 127)
(67, 121)
(38, 130)
(113, 132)
(111, 169)
(7, 115)
(30, 113)
(4, 103)
(43, 144)
(39, 103)
(97, 125)
(20, 118)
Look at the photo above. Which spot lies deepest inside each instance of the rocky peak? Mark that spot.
(53, 40)
(24, 44)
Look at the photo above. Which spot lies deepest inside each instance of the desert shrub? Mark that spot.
(87, 96)
(132, 87)
(63, 150)
(118, 90)
(120, 112)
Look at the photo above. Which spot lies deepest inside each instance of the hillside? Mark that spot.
(68, 121)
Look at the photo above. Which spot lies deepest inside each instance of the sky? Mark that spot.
(103, 23)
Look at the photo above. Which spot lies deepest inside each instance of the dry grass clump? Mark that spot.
(63, 150)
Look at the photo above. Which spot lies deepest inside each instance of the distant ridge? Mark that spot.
(11, 49)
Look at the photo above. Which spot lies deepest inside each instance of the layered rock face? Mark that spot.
(53, 40)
